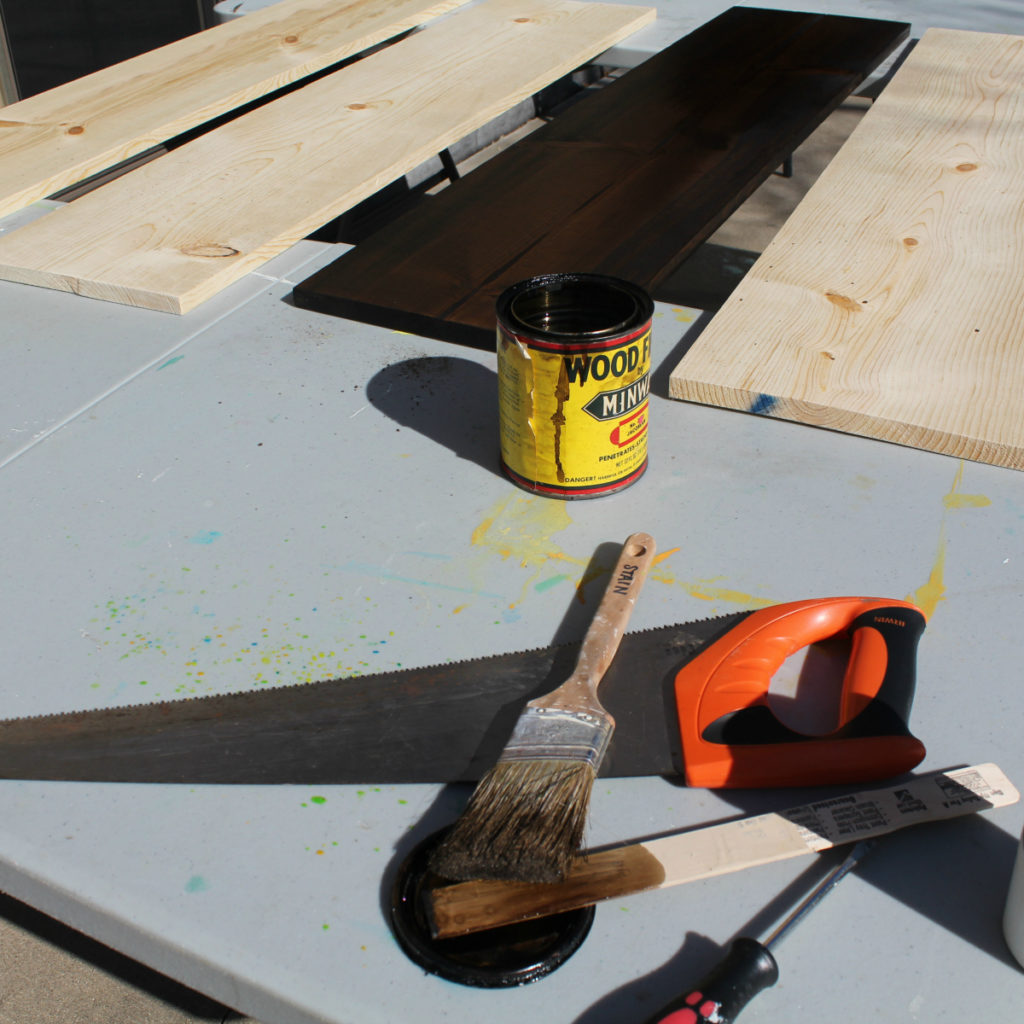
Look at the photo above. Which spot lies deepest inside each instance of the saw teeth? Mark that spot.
(277, 687)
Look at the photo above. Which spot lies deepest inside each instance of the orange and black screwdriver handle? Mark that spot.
(731, 737)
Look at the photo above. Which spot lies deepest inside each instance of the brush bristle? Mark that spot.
(524, 822)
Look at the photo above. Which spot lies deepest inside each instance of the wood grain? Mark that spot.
(627, 182)
(890, 304)
(57, 138)
(723, 848)
(177, 230)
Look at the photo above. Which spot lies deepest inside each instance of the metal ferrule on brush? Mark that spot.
(560, 735)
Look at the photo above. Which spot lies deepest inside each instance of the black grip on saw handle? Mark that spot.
(884, 642)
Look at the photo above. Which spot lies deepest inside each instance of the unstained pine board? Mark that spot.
(891, 303)
(61, 136)
(179, 229)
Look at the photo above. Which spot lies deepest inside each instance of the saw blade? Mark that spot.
(438, 724)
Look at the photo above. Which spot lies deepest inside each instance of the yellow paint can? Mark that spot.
(574, 371)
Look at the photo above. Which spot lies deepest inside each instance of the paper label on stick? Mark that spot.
(862, 815)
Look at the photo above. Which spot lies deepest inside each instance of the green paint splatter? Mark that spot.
(549, 583)
(196, 884)
(318, 799)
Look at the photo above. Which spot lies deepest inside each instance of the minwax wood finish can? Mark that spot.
(574, 372)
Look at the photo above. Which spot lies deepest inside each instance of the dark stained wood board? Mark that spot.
(627, 182)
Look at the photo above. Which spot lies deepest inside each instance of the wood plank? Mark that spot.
(175, 231)
(889, 304)
(627, 182)
(730, 846)
(57, 138)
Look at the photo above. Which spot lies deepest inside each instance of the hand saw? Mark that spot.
(688, 699)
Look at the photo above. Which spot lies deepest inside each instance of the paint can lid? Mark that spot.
(502, 957)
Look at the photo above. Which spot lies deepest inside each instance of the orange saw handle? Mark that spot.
(732, 738)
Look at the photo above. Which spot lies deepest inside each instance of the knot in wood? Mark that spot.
(210, 250)
(844, 302)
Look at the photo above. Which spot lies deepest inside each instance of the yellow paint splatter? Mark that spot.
(706, 590)
(521, 527)
(928, 596)
(966, 501)
(684, 314)
(458, 609)
(663, 555)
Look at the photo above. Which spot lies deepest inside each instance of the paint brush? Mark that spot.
(721, 848)
(525, 820)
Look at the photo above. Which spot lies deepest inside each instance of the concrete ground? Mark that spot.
(50, 974)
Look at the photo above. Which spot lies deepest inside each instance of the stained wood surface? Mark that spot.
(724, 848)
(627, 182)
(177, 230)
(57, 138)
(890, 303)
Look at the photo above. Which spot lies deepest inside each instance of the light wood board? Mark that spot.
(58, 137)
(891, 303)
(724, 848)
(175, 231)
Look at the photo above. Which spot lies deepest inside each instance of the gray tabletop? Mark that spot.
(252, 494)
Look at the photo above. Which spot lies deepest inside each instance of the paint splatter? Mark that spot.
(928, 596)
(196, 884)
(551, 581)
(953, 500)
(170, 362)
(521, 528)
(205, 537)
(684, 314)
(705, 589)
(763, 405)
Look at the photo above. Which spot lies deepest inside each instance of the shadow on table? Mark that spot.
(452, 401)
(955, 873)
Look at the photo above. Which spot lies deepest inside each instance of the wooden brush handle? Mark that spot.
(606, 629)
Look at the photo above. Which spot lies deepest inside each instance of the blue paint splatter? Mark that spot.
(764, 404)
(170, 362)
(205, 537)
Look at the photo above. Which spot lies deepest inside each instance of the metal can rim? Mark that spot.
(509, 319)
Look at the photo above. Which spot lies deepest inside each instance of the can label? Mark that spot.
(574, 414)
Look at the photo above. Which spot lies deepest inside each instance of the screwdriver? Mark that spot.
(749, 967)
